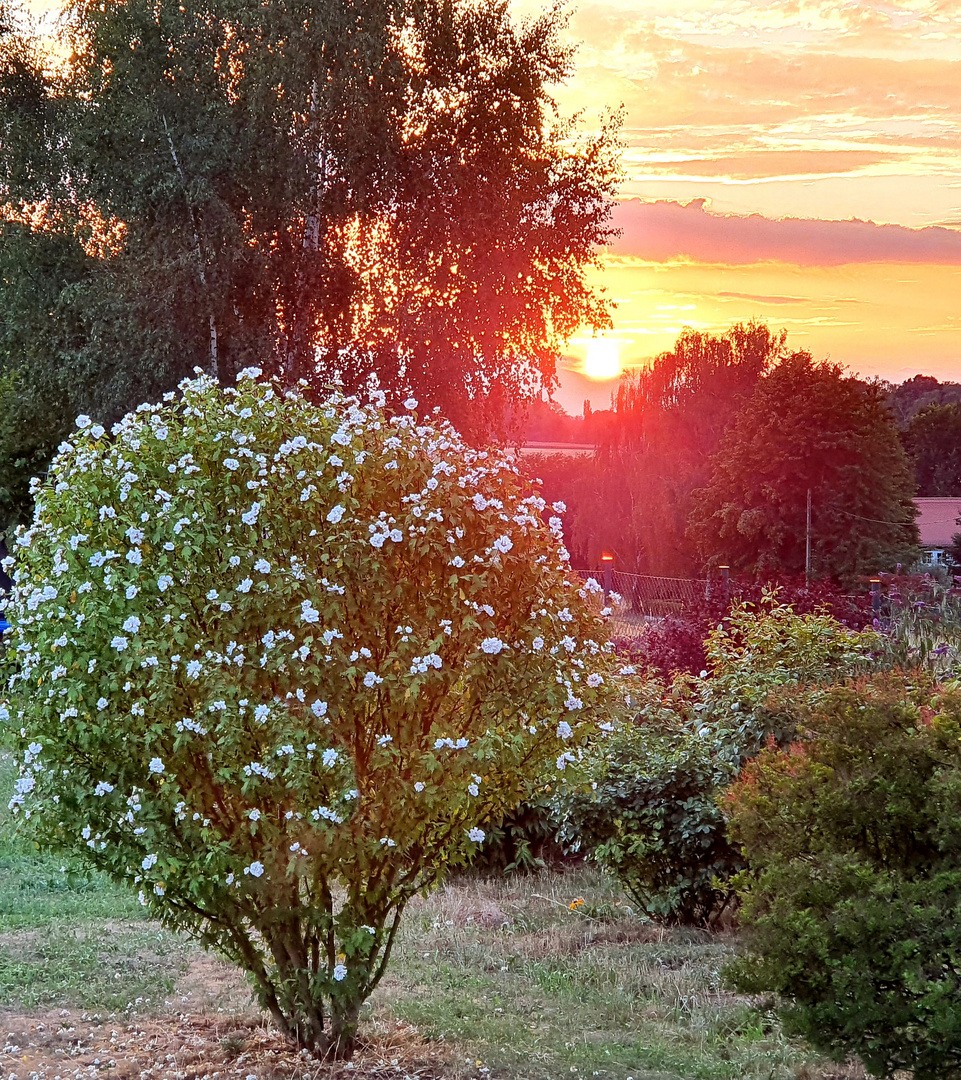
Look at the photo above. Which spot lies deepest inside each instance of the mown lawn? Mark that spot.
(495, 978)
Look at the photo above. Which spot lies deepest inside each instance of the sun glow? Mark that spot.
(603, 359)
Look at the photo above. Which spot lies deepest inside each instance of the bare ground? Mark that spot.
(65, 1045)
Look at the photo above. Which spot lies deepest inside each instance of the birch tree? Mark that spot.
(370, 192)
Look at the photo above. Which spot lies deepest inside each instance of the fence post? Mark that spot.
(726, 581)
(876, 596)
(608, 560)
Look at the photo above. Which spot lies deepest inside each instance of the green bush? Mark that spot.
(853, 893)
(279, 664)
(648, 812)
(650, 818)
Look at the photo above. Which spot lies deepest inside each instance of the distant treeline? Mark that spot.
(708, 455)
(928, 415)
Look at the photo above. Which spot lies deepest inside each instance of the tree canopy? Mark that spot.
(374, 190)
(653, 451)
(933, 440)
(809, 426)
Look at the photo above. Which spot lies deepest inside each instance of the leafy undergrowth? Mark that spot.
(503, 979)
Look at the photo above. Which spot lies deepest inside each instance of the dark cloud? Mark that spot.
(660, 231)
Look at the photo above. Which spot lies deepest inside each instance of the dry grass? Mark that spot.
(490, 979)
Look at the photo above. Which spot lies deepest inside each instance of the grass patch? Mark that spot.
(71, 938)
(501, 977)
(537, 990)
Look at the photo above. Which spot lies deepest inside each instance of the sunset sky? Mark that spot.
(797, 162)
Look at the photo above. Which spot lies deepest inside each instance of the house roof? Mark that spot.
(938, 521)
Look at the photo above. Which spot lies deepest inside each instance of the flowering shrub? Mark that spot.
(278, 665)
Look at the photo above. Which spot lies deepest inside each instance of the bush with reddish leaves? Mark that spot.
(676, 643)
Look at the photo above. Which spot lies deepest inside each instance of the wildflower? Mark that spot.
(119, 643)
(156, 765)
(132, 625)
(477, 835)
(308, 613)
(319, 708)
(492, 645)
(335, 514)
(340, 973)
(256, 869)
(503, 544)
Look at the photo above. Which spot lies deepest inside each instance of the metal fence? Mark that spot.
(644, 597)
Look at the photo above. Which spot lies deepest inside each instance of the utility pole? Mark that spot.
(807, 544)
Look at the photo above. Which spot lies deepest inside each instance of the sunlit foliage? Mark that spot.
(374, 189)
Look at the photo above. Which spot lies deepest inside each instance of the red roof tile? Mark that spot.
(938, 521)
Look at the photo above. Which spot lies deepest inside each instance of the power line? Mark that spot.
(878, 521)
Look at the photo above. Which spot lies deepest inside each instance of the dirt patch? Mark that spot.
(212, 985)
(65, 1044)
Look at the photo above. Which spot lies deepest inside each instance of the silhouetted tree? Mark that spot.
(808, 425)
(668, 420)
(654, 448)
(910, 397)
(373, 189)
(933, 441)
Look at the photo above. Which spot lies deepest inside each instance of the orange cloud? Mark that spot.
(665, 230)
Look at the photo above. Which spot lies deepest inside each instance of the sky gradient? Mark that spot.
(796, 162)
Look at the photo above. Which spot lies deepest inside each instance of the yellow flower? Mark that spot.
(575, 904)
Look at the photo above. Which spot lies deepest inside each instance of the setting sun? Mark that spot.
(602, 360)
